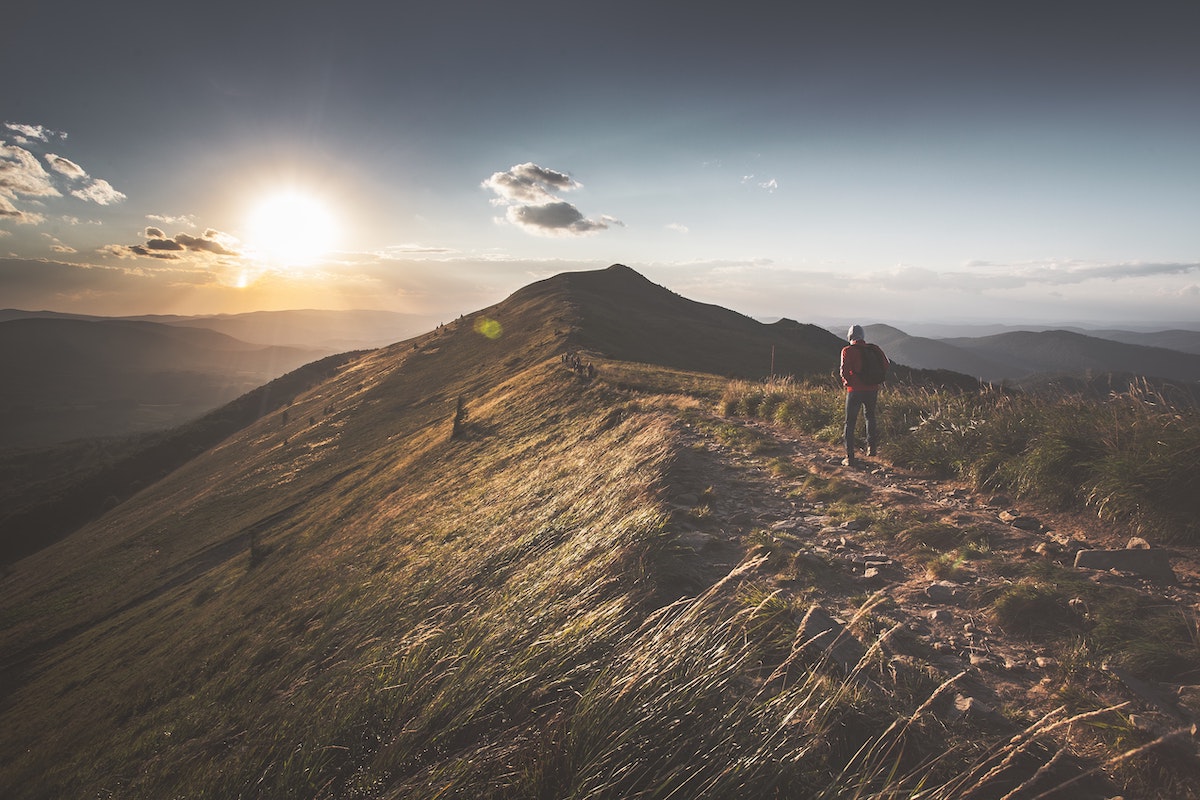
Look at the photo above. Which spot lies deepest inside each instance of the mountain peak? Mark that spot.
(618, 313)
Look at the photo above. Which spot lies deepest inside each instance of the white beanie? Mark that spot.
(856, 332)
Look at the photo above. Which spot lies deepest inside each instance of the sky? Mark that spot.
(1012, 162)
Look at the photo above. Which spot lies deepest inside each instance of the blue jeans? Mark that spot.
(865, 400)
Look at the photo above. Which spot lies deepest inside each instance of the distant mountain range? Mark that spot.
(330, 331)
(66, 378)
(1025, 356)
(73, 376)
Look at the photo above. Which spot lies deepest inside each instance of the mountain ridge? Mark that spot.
(585, 589)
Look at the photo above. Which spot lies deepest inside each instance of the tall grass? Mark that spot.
(1129, 458)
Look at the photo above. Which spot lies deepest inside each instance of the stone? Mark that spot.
(945, 592)
(855, 525)
(819, 629)
(976, 711)
(1153, 564)
(942, 616)
(1045, 662)
(1137, 543)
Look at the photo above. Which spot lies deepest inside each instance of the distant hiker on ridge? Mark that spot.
(864, 368)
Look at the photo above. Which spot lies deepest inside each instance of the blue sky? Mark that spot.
(873, 161)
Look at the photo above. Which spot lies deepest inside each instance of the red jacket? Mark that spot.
(852, 365)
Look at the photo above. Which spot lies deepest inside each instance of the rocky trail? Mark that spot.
(743, 484)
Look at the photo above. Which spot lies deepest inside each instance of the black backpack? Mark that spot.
(874, 364)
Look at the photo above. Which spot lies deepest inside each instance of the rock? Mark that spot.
(871, 574)
(1022, 522)
(1137, 543)
(942, 616)
(695, 540)
(1153, 564)
(1044, 662)
(819, 629)
(976, 711)
(855, 525)
(1143, 723)
(945, 592)
(690, 500)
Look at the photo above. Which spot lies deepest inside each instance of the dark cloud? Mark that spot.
(529, 192)
(158, 245)
(210, 242)
(554, 217)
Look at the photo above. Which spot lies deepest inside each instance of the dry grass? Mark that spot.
(488, 616)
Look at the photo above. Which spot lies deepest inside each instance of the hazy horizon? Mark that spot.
(1020, 164)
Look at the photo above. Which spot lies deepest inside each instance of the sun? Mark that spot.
(290, 228)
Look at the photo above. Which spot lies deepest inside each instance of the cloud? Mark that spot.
(530, 193)
(158, 245)
(31, 133)
(769, 185)
(22, 176)
(182, 219)
(100, 192)
(96, 190)
(556, 217)
(65, 166)
(529, 183)
(677, 227)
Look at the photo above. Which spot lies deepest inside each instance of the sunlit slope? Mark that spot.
(343, 595)
(315, 604)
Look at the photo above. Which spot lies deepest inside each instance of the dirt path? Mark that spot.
(741, 484)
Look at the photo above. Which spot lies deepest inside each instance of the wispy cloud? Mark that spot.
(25, 134)
(979, 275)
(531, 195)
(165, 219)
(768, 185)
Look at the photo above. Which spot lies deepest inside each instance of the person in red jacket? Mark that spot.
(862, 390)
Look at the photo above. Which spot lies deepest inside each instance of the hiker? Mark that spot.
(863, 369)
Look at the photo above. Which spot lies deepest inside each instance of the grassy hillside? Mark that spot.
(580, 593)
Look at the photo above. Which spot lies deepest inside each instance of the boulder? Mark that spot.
(1152, 563)
(819, 629)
